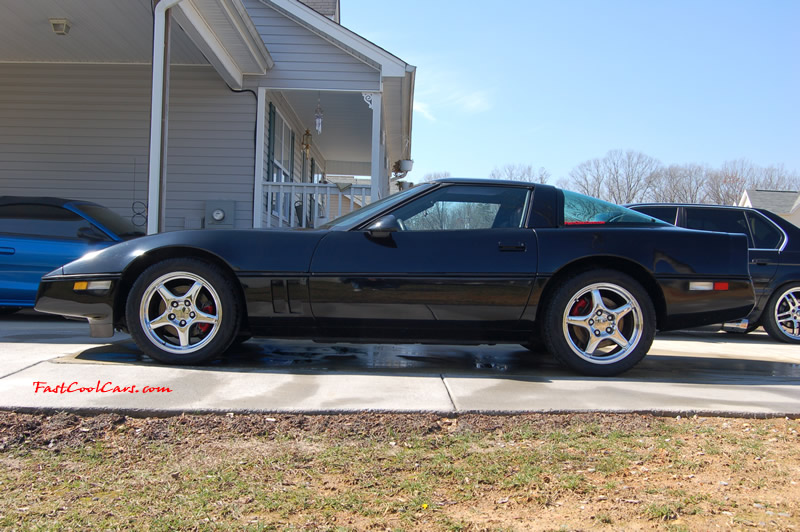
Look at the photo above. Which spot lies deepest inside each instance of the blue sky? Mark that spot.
(555, 83)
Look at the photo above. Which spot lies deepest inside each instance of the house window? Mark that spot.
(282, 155)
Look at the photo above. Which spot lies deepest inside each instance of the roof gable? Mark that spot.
(777, 201)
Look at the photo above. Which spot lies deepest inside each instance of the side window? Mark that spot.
(719, 220)
(659, 212)
(457, 207)
(40, 220)
(765, 234)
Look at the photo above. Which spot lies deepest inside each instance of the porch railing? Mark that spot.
(310, 204)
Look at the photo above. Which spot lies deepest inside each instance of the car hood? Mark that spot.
(243, 250)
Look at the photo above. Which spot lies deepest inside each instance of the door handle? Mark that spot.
(759, 262)
(511, 246)
(7, 251)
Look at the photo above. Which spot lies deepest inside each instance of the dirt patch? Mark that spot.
(399, 471)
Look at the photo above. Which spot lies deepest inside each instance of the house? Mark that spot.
(785, 203)
(198, 113)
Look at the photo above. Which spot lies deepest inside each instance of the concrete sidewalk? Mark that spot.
(685, 373)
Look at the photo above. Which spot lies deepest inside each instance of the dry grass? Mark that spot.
(404, 472)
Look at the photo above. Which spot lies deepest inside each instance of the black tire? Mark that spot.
(204, 311)
(781, 318)
(591, 343)
(535, 344)
(240, 339)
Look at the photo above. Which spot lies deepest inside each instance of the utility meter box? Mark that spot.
(220, 214)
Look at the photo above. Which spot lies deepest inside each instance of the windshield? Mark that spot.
(584, 210)
(122, 227)
(363, 214)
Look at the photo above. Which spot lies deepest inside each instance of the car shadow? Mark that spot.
(481, 362)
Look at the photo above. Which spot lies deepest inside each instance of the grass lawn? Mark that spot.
(398, 472)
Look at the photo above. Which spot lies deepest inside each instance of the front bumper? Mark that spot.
(58, 295)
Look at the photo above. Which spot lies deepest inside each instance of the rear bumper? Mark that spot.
(687, 308)
(57, 295)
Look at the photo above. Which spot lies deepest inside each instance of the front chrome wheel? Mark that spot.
(184, 311)
(180, 312)
(603, 324)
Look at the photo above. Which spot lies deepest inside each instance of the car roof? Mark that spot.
(41, 200)
(677, 204)
(487, 181)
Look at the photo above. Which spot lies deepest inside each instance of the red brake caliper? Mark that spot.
(205, 327)
(579, 307)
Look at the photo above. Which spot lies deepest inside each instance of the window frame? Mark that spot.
(523, 222)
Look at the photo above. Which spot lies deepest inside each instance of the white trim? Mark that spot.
(258, 177)
(390, 65)
(244, 23)
(132, 63)
(156, 107)
(206, 41)
(376, 161)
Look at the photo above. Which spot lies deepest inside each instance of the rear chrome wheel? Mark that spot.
(183, 311)
(782, 316)
(600, 323)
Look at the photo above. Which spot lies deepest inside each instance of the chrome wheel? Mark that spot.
(603, 323)
(180, 312)
(787, 313)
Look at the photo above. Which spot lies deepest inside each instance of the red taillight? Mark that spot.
(720, 286)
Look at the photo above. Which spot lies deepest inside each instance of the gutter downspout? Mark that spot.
(159, 100)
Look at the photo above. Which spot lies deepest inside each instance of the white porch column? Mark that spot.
(158, 129)
(373, 99)
(258, 185)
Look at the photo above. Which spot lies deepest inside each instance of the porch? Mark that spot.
(224, 121)
(310, 205)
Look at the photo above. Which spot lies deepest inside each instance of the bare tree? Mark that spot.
(521, 172)
(682, 183)
(621, 177)
(727, 184)
(433, 176)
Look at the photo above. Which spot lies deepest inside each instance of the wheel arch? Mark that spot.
(138, 266)
(628, 267)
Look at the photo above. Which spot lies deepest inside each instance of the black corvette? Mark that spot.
(455, 261)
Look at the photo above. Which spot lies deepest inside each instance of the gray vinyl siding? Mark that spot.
(304, 60)
(81, 131)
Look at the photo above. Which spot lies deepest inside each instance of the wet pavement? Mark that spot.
(705, 372)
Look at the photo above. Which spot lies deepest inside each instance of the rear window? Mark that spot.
(115, 223)
(765, 234)
(40, 220)
(580, 210)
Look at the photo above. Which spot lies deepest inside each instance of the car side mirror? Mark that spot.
(91, 233)
(384, 226)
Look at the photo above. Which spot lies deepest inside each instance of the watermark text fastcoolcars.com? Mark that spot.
(98, 387)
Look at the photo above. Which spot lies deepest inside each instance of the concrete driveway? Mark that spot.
(47, 363)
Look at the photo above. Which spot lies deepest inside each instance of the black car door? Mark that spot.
(459, 258)
(763, 260)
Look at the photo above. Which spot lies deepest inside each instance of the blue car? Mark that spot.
(39, 234)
